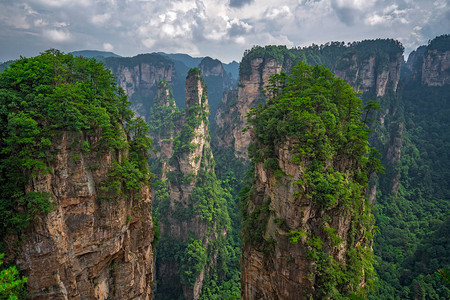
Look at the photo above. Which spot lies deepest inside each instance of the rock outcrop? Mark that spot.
(436, 68)
(87, 247)
(139, 77)
(303, 231)
(368, 74)
(217, 80)
(430, 65)
(188, 206)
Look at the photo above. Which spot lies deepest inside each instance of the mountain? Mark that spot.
(76, 207)
(307, 225)
(412, 197)
(233, 69)
(94, 54)
(194, 62)
(187, 60)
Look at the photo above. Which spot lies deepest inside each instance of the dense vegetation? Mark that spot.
(45, 96)
(322, 115)
(413, 247)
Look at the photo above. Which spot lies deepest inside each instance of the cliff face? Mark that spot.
(430, 65)
(249, 95)
(436, 68)
(371, 73)
(217, 80)
(139, 77)
(87, 247)
(188, 206)
(282, 269)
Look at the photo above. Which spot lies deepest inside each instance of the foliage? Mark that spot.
(193, 262)
(12, 286)
(207, 203)
(440, 43)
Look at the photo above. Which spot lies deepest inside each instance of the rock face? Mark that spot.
(430, 65)
(217, 80)
(436, 68)
(369, 73)
(139, 77)
(87, 248)
(249, 95)
(184, 207)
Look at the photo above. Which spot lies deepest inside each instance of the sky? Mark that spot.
(221, 29)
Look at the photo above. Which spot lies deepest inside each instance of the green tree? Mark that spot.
(12, 286)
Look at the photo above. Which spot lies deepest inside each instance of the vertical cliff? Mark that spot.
(217, 80)
(307, 225)
(139, 77)
(75, 198)
(430, 64)
(88, 246)
(191, 209)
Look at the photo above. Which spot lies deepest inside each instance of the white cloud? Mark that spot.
(355, 4)
(100, 19)
(40, 23)
(62, 3)
(278, 12)
(56, 35)
(108, 47)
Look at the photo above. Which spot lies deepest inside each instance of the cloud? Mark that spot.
(100, 19)
(239, 3)
(217, 28)
(108, 47)
(278, 12)
(56, 35)
(237, 27)
(388, 16)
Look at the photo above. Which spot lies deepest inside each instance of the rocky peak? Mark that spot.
(196, 93)
(436, 68)
(372, 67)
(139, 77)
(303, 237)
(430, 64)
(211, 67)
(164, 94)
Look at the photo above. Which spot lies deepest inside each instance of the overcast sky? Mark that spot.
(218, 28)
